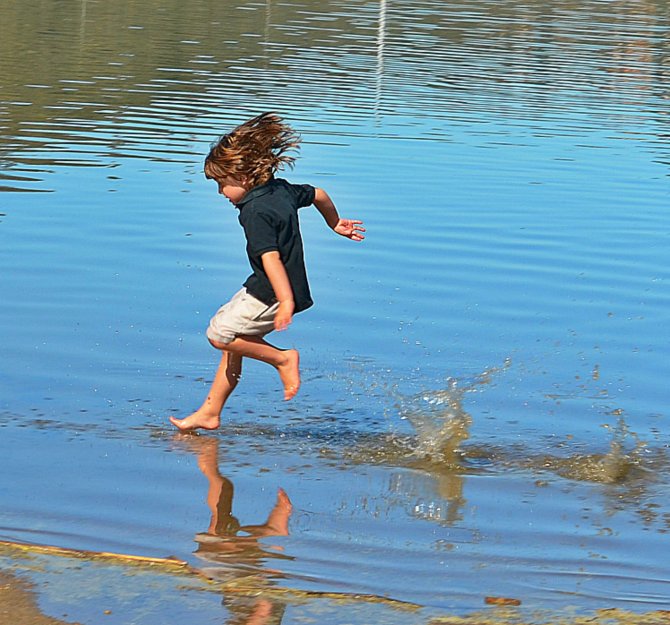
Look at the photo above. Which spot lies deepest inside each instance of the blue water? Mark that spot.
(510, 163)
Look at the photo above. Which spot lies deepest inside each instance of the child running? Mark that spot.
(243, 163)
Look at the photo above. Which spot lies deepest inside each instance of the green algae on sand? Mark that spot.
(599, 617)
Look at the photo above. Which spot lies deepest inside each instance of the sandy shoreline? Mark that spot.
(84, 588)
(18, 603)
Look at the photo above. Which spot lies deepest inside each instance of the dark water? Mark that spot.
(484, 408)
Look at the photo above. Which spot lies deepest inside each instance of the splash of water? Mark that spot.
(441, 425)
(612, 467)
(440, 421)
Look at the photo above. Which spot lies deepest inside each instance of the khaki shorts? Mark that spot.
(243, 315)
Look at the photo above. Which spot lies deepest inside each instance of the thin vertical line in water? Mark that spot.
(381, 33)
(268, 23)
(82, 25)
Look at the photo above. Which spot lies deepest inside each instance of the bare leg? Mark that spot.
(286, 361)
(208, 416)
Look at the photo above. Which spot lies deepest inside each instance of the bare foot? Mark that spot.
(289, 373)
(198, 420)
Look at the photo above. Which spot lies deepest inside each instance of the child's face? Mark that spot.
(231, 188)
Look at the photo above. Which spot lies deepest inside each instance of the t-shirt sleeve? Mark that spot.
(261, 234)
(304, 194)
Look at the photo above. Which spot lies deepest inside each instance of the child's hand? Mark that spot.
(284, 315)
(350, 228)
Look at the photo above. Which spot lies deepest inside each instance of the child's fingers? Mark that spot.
(282, 323)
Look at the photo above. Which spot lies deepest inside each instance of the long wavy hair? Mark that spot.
(254, 151)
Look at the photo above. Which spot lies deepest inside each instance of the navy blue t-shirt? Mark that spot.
(269, 216)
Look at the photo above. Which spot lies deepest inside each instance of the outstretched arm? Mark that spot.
(350, 228)
(276, 272)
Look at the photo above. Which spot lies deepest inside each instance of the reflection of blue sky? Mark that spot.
(517, 247)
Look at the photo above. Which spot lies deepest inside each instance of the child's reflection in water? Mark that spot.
(223, 544)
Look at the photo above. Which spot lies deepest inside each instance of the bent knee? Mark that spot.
(217, 344)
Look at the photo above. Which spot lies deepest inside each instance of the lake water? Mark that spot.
(484, 400)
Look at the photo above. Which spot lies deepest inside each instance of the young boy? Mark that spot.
(243, 164)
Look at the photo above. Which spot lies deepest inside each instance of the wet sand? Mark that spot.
(19, 606)
(18, 603)
(89, 588)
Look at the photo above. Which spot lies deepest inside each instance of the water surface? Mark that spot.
(484, 400)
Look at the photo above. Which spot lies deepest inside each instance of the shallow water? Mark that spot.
(484, 400)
